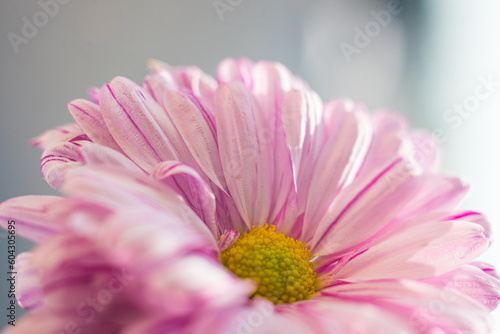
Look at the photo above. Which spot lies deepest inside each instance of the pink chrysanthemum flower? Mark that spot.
(245, 205)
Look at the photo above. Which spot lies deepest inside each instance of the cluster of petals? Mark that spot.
(159, 179)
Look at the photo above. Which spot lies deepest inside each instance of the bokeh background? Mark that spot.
(426, 59)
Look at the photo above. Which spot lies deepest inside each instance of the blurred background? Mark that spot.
(438, 62)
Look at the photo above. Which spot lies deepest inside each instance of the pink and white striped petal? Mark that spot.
(60, 158)
(68, 132)
(122, 190)
(365, 208)
(424, 307)
(414, 250)
(89, 117)
(28, 290)
(473, 282)
(338, 163)
(137, 123)
(188, 183)
(34, 217)
(249, 176)
(198, 131)
(438, 193)
(301, 114)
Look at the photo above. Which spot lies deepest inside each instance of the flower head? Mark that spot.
(244, 203)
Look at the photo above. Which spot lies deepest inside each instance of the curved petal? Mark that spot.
(136, 123)
(365, 208)
(474, 217)
(486, 268)
(301, 118)
(235, 70)
(315, 316)
(93, 93)
(29, 293)
(158, 84)
(199, 84)
(89, 117)
(338, 163)
(390, 139)
(128, 191)
(271, 82)
(245, 159)
(34, 216)
(188, 183)
(425, 150)
(414, 250)
(227, 239)
(65, 133)
(198, 131)
(426, 308)
(471, 281)
(438, 193)
(60, 158)
(328, 315)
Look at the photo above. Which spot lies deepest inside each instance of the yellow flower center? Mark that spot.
(279, 265)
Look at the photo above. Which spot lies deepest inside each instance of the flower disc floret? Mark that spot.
(280, 265)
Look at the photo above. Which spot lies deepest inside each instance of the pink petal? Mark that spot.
(271, 82)
(471, 281)
(245, 159)
(227, 212)
(125, 190)
(235, 70)
(156, 65)
(40, 217)
(89, 118)
(198, 131)
(227, 239)
(137, 123)
(474, 217)
(60, 158)
(364, 208)
(425, 308)
(301, 113)
(28, 290)
(168, 239)
(34, 216)
(68, 132)
(438, 193)
(338, 163)
(328, 315)
(390, 139)
(188, 183)
(486, 268)
(93, 93)
(200, 84)
(192, 283)
(425, 149)
(417, 249)
(158, 84)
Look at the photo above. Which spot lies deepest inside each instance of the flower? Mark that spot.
(244, 204)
